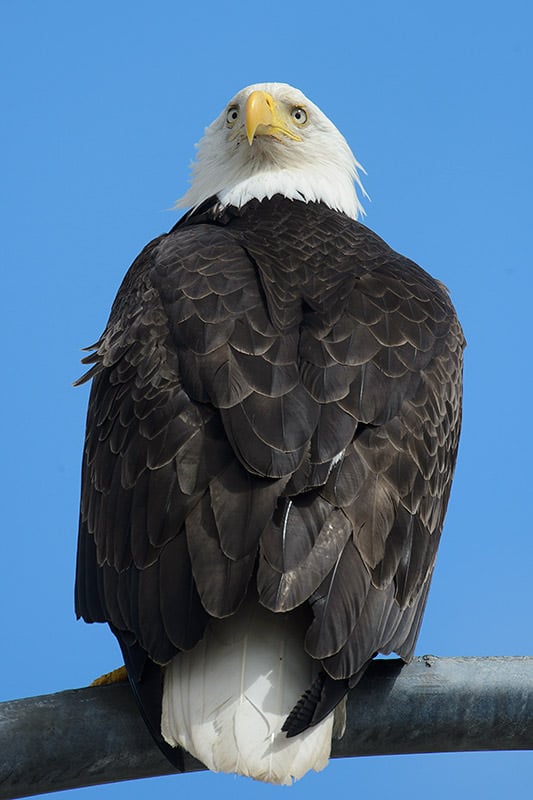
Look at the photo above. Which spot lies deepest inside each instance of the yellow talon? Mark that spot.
(115, 676)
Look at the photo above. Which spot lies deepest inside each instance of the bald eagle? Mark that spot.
(271, 436)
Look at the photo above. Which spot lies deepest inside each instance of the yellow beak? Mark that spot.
(262, 118)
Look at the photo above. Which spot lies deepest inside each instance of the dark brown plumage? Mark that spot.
(272, 413)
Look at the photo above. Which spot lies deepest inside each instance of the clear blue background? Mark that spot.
(101, 104)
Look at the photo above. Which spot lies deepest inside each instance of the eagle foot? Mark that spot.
(118, 675)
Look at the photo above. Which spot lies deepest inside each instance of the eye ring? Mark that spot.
(299, 116)
(232, 115)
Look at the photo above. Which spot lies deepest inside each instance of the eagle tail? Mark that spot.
(226, 701)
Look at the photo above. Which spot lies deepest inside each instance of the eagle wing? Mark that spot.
(254, 420)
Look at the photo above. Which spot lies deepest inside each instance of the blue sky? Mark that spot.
(102, 103)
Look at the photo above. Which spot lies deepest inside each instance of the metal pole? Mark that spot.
(95, 735)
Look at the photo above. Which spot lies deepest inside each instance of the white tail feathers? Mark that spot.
(226, 700)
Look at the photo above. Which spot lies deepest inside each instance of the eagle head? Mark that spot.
(270, 139)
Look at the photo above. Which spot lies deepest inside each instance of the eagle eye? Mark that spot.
(299, 115)
(232, 115)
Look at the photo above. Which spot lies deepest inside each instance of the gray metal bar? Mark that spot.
(95, 735)
(441, 705)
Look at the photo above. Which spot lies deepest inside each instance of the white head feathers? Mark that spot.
(270, 139)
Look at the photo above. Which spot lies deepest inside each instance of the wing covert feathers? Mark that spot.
(274, 413)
